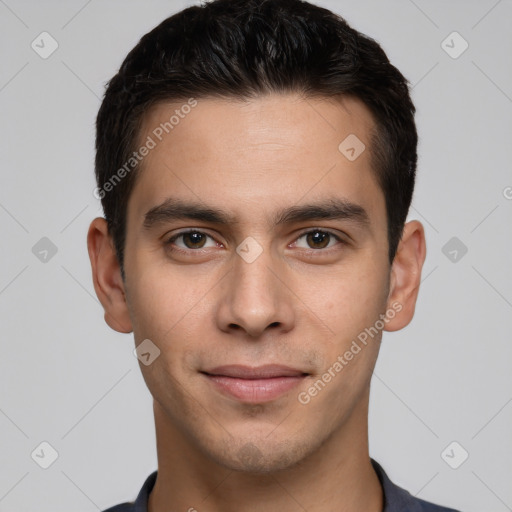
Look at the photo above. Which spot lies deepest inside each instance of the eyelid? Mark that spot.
(170, 240)
(337, 237)
(323, 230)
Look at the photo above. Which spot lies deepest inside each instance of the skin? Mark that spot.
(299, 303)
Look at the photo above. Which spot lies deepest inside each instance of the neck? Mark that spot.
(339, 476)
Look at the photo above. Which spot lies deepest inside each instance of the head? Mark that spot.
(251, 124)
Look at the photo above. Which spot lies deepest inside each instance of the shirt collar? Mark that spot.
(396, 499)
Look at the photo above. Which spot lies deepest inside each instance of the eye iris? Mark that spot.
(318, 237)
(197, 240)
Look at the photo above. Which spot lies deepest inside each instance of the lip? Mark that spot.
(254, 384)
(255, 372)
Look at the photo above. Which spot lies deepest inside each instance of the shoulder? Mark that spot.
(122, 507)
(397, 499)
(427, 506)
(141, 502)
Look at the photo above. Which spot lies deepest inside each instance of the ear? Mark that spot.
(106, 275)
(406, 276)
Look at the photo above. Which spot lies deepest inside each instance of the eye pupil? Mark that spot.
(318, 237)
(196, 239)
(315, 239)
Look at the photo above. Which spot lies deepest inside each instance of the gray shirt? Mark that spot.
(396, 499)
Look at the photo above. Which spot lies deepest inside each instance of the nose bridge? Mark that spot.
(255, 298)
(254, 284)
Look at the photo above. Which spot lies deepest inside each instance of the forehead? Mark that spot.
(251, 156)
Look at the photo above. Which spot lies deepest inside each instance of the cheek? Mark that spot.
(352, 304)
(349, 300)
(171, 315)
(162, 302)
(172, 307)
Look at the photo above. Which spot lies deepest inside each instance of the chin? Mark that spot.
(261, 457)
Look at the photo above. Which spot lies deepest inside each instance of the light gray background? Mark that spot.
(67, 379)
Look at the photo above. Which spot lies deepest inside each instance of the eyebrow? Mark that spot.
(328, 209)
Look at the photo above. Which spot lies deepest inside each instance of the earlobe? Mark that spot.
(406, 275)
(106, 275)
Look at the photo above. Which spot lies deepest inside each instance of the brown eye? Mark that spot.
(191, 240)
(194, 239)
(318, 239)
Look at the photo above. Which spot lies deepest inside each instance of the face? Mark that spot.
(256, 255)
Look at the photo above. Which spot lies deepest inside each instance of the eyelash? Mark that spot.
(169, 242)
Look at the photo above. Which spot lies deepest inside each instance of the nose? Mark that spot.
(256, 297)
